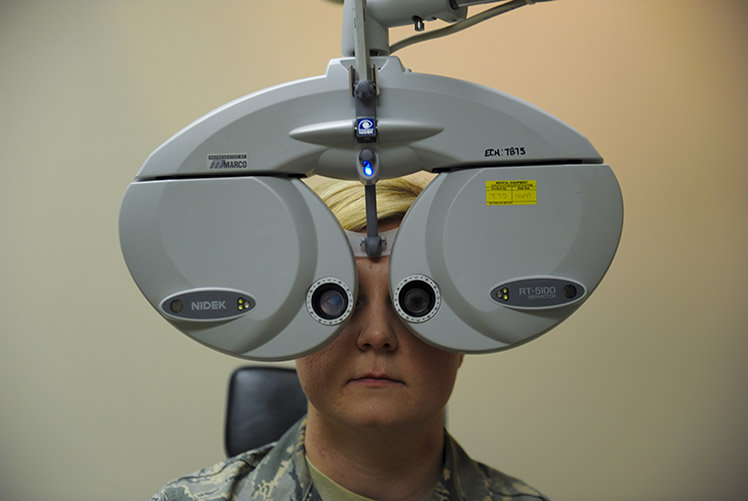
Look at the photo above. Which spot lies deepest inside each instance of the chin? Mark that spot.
(387, 415)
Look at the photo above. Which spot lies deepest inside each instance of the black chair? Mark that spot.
(263, 402)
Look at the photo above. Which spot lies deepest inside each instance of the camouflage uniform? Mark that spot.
(279, 472)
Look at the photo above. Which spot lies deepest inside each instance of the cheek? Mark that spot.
(317, 372)
(309, 370)
(438, 371)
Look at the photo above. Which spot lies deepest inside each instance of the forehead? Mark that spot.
(373, 267)
(373, 276)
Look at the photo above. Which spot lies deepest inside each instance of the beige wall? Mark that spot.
(638, 396)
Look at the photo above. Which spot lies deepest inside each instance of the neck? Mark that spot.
(398, 462)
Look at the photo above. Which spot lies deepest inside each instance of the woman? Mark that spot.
(375, 422)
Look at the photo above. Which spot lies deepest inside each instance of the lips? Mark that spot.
(375, 379)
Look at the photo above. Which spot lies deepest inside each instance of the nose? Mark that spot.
(377, 330)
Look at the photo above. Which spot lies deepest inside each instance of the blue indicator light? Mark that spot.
(368, 170)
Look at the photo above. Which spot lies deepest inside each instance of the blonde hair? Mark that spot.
(346, 199)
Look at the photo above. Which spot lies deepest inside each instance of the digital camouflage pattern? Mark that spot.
(279, 472)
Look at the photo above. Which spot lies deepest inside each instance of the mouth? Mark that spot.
(376, 380)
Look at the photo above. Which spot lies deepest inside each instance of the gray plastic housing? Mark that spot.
(425, 122)
(218, 211)
(451, 235)
(270, 238)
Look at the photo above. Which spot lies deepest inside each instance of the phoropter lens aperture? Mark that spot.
(417, 298)
(329, 301)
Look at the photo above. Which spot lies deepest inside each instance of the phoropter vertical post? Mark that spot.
(364, 90)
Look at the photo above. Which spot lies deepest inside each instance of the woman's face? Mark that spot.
(376, 373)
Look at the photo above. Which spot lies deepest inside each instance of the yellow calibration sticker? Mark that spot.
(520, 192)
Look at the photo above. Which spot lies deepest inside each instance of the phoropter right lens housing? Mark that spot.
(417, 298)
(329, 301)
